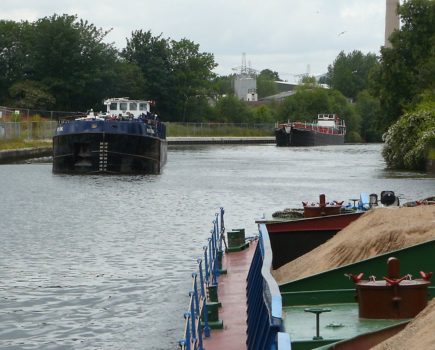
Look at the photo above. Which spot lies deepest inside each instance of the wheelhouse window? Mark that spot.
(123, 106)
(133, 106)
(142, 106)
(113, 106)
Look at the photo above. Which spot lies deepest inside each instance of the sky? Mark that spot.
(291, 37)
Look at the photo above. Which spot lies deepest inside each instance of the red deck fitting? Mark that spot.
(232, 295)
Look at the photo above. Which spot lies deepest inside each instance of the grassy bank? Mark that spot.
(215, 130)
(19, 144)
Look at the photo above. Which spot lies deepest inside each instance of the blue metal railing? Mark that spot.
(196, 318)
(264, 303)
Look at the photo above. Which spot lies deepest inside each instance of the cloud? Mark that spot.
(277, 34)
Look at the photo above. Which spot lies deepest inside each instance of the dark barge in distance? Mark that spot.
(127, 139)
(328, 129)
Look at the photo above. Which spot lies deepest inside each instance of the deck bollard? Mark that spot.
(212, 290)
(236, 240)
(221, 270)
(213, 316)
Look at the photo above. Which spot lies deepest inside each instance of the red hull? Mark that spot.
(291, 239)
(320, 223)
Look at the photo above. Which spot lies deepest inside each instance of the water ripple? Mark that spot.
(104, 262)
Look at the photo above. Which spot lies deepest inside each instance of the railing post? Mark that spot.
(210, 256)
(207, 275)
(192, 315)
(204, 300)
(222, 220)
(195, 293)
(188, 340)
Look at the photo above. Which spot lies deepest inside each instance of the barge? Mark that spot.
(333, 309)
(328, 129)
(127, 139)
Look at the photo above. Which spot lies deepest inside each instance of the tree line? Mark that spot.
(62, 62)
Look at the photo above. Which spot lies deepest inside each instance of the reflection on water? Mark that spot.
(104, 262)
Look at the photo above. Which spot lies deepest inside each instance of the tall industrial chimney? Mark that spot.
(392, 21)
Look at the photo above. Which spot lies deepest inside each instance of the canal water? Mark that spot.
(104, 262)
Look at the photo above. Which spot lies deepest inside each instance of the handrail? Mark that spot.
(276, 300)
(196, 318)
(264, 302)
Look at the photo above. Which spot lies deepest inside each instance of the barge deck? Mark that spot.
(232, 295)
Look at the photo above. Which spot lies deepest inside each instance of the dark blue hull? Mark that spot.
(82, 147)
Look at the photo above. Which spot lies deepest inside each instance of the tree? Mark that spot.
(264, 114)
(305, 104)
(369, 111)
(192, 73)
(407, 68)
(266, 85)
(231, 109)
(152, 55)
(309, 101)
(409, 140)
(128, 81)
(349, 73)
(12, 55)
(31, 94)
(174, 72)
(69, 57)
(223, 85)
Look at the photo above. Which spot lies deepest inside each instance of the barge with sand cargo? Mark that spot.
(238, 301)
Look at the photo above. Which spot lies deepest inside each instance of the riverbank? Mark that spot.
(44, 148)
(12, 155)
(187, 140)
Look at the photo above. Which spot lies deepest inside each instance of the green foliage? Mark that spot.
(407, 69)
(308, 80)
(309, 101)
(23, 143)
(349, 73)
(223, 85)
(215, 130)
(409, 140)
(174, 72)
(198, 109)
(152, 55)
(264, 114)
(369, 111)
(69, 57)
(31, 94)
(12, 55)
(353, 137)
(266, 85)
(56, 60)
(231, 109)
(305, 104)
(191, 73)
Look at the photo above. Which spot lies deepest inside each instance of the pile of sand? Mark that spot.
(418, 334)
(377, 232)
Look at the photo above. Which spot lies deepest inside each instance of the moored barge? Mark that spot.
(328, 129)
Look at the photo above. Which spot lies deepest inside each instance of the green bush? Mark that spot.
(409, 140)
(353, 137)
